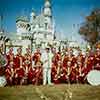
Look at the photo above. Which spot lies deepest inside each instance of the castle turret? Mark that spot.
(22, 25)
(47, 14)
(32, 16)
(47, 8)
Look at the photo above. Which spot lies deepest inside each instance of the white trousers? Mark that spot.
(46, 76)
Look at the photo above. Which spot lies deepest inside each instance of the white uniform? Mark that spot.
(46, 58)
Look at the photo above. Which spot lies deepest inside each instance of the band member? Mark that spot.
(10, 56)
(79, 74)
(64, 67)
(68, 72)
(80, 67)
(97, 59)
(65, 60)
(56, 66)
(36, 56)
(32, 75)
(27, 59)
(53, 70)
(59, 69)
(36, 68)
(47, 64)
(88, 65)
(10, 74)
(91, 61)
(85, 68)
(19, 66)
(27, 63)
(73, 72)
(39, 74)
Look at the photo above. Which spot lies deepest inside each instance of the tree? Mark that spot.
(90, 29)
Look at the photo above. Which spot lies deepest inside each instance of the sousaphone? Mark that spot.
(3, 63)
(3, 81)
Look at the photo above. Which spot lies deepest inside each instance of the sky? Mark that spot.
(65, 13)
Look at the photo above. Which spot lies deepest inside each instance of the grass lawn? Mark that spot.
(53, 92)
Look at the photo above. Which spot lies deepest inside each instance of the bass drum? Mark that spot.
(3, 81)
(93, 77)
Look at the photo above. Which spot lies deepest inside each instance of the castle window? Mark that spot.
(46, 26)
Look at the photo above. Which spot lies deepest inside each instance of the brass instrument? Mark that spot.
(59, 70)
(3, 61)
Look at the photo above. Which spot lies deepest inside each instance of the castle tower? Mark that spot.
(1, 25)
(32, 16)
(22, 25)
(48, 14)
(32, 19)
(47, 8)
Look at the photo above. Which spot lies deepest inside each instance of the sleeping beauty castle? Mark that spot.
(41, 26)
(36, 31)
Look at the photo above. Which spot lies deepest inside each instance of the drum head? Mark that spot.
(93, 77)
(3, 81)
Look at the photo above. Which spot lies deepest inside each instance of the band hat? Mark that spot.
(19, 48)
(66, 53)
(47, 46)
(98, 49)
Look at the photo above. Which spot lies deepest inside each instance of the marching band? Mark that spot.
(49, 66)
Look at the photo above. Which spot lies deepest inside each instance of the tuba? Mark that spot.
(3, 81)
(3, 61)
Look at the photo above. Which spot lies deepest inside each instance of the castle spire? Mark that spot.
(47, 8)
(47, 4)
(1, 24)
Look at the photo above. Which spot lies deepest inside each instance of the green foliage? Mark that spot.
(91, 27)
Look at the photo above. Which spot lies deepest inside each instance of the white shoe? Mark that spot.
(50, 84)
